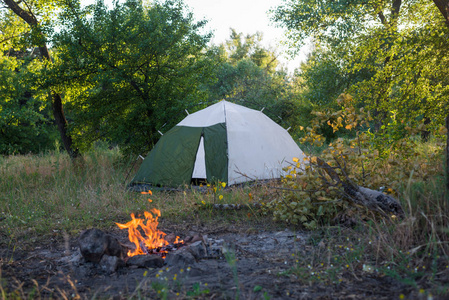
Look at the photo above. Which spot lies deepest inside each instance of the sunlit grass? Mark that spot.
(413, 250)
(42, 194)
(48, 194)
(45, 193)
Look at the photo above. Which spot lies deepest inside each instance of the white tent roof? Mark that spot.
(258, 148)
(209, 116)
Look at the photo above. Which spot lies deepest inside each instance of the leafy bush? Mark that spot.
(310, 197)
(25, 123)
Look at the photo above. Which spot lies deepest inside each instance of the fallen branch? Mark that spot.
(371, 199)
(225, 206)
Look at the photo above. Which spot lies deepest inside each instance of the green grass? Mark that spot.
(413, 251)
(47, 194)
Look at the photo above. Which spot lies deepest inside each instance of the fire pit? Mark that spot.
(148, 246)
(206, 257)
(153, 241)
(102, 250)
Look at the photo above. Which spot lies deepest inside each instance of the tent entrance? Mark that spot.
(199, 170)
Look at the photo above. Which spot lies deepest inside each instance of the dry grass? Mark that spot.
(41, 194)
(413, 250)
(47, 194)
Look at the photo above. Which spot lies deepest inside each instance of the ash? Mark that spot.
(213, 259)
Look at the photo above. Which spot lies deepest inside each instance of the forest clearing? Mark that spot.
(49, 202)
(360, 211)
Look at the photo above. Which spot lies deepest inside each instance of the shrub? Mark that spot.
(310, 196)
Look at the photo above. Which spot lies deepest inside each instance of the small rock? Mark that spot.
(170, 238)
(146, 261)
(193, 238)
(75, 259)
(94, 243)
(109, 264)
(216, 251)
(198, 250)
(180, 258)
(218, 242)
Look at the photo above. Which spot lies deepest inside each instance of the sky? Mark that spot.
(248, 17)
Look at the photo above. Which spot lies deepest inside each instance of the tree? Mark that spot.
(239, 47)
(128, 70)
(389, 40)
(24, 122)
(443, 7)
(324, 77)
(31, 12)
(336, 21)
(249, 73)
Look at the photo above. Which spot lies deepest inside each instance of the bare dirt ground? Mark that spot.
(42, 268)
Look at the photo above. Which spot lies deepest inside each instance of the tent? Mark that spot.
(225, 142)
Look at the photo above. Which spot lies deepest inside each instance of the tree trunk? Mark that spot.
(447, 154)
(425, 134)
(58, 112)
(443, 6)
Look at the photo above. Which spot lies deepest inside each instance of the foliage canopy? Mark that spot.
(390, 54)
(126, 71)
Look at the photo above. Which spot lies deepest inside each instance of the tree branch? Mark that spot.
(382, 18)
(395, 8)
(443, 6)
(27, 16)
(371, 199)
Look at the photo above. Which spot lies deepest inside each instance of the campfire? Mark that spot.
(143, 233)
(148, 246)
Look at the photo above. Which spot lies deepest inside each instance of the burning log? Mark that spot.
(151, 239)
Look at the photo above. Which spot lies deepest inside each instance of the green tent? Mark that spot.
(225, 142)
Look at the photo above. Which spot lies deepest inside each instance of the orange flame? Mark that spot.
(148, 193)
(153, 238)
